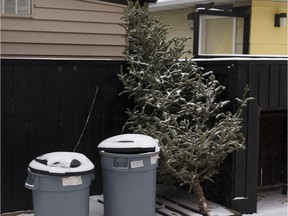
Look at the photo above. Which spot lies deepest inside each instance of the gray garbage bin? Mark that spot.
(60, 184)
(129, 163)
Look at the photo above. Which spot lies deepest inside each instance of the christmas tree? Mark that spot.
(176, 102)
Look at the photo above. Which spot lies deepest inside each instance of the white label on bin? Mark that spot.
(154, 159)
(71, 180)
(137, 164)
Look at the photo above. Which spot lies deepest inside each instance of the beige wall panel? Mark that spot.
(79, 5)
(62, 38)
(74, 15)
(12, 49)
(177, 19)
(60, 26)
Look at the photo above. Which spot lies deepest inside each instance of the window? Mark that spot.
(18, 7)
(220, 32)
(220, 35)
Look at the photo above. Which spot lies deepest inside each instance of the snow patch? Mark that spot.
(129, 141)
(271, 203)
(25, 215)
(240, 198)
(60, 163)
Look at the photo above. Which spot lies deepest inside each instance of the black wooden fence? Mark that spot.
(45, 103)
(44, 106)
(267, 80)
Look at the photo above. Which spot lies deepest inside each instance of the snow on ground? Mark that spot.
(271, 203)
(24, 214)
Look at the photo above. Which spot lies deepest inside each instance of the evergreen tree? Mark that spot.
(177, 102)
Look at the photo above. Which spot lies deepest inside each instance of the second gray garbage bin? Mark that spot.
(129, 165)
(60, 184)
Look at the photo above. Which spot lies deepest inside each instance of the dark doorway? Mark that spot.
(273, 148)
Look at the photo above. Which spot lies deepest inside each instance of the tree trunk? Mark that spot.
(203, 205)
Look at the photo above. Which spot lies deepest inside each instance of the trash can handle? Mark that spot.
(31, 182)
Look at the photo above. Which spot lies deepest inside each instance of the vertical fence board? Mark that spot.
(52, 107)
(110, 100)
(21, 134)
(6, 136)
(67, 136)
(241, 156)
(263, 86)
(122, 101)
(283, 86)
(277, 122)
(274, 94)
(95, 126)
(81, 107)
(273, 147)
(253, 137)
(37, 110)
(232, 87)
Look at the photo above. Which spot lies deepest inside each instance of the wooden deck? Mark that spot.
(169, 202)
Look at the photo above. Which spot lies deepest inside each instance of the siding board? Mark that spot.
(62, 38)
(75, 15)
(79, 5)
(49, 50)
(60, 26)
(80, 28)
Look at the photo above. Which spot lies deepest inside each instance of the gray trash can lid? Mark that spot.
(61, 163)
(129, 144)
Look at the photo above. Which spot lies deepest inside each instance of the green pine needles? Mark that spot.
(176, 102)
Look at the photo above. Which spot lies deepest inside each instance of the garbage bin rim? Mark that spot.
(156, 152)
(46, 173)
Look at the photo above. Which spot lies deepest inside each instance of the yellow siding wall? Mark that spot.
(264, 37)
(64, 29)
(177, 19)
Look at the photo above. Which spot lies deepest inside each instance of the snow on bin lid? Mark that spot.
(61, 163)
(129, 144)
